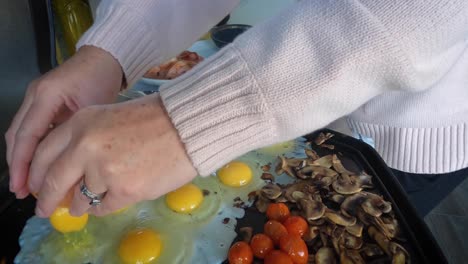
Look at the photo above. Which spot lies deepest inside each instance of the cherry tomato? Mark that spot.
(296, 225)
(240, 253)
(295, 247)
(278, 212)
(275, 230)
(277, 257)
(261, 244)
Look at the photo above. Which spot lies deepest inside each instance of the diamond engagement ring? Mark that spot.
(96, 199)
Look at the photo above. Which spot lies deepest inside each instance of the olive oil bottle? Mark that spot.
(71, 18)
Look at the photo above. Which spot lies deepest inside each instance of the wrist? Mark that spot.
(103, 63)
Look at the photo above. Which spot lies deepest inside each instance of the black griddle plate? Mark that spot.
(358, 156)
(422, 245)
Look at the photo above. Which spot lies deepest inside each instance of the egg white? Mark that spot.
(203, 236)
(207, 209)
(177, 244)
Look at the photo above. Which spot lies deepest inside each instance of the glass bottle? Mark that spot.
(72, 19)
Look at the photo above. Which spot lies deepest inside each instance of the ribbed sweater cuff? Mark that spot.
(419, 150)
(218, 111)
(120, 31)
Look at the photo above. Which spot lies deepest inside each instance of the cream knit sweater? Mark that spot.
(398, 69)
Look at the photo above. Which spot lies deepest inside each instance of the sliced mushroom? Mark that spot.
(312, 210)
(267, 177)
(400, 255)
(356, 229)
(399, 258)
(316, 197)
(351, 242)
(303, 176)
(338, 166)
(327, 229)
(325, 161)
(294, 187)
(284, 167)
(350, 257)
(339, 218)
(369, 207)
(328, 146)
(312, 154)
(297, 195)
(262, 204)
(337, 198)
(266, 167)
(325, 255)
(392, 225)
(324, 239)
(381, 240)
(317, 222)
(363, 217)
(375, 205)
(311, 171)
(294, 163)
(365, 180)
(325, 182)
(352, 203)
(312, 233)
(371, 250)
(390, 230)
(322, 138)
(271, 191)
(253, 195)
(281, 199)
(338, 231)
(346, 185)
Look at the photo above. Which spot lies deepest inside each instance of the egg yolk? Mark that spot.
(63, 222)
(235, 174)
(140, 246)
(185, 199)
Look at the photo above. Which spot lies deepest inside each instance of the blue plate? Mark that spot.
(204, 48)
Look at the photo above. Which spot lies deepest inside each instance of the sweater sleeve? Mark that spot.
(141, 34)
(308, 66)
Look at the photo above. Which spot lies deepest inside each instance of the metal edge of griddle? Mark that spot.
(423, 240)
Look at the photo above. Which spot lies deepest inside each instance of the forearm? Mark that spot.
(144, 33)
(305, 68)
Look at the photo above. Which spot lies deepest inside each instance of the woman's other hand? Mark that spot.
(92, 76)
(130, 151)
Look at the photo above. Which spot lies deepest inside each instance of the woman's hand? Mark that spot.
(130, 150)
(92, 76)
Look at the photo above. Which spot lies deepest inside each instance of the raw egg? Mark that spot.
(63, 222)
(185, 199)
(140, 246)
(288, 147)
(235, 174)
(195, 202)
(193, 224)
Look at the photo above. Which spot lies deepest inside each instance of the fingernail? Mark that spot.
(39, 212)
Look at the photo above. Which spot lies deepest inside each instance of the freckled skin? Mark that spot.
(131, 150)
